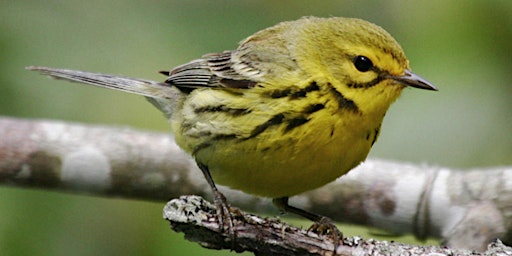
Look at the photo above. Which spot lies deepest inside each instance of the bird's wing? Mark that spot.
(212, 70)
(254, 61)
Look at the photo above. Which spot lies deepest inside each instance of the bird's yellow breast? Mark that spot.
(280, 164)
(285, 143)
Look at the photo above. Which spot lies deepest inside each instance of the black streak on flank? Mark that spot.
(211, 142)
(373, 136)
(223, 109)
(295, 122)
(294, 94)
(298, 94)
(376, 135)
(343, 103)
(276, 94)
(277, 119)
(313, 108)
(313, 86)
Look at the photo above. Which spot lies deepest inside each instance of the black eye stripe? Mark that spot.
(363, 63)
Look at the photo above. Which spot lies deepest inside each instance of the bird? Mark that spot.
(292, 108)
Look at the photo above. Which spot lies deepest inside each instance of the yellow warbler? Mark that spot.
(294, 107)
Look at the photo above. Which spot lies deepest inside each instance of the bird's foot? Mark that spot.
(226, 216)
(326, 226)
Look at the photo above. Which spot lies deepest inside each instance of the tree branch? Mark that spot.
(195, 217)
(467, 209)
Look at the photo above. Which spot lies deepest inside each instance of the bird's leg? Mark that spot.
(223, 209)
(322, 225)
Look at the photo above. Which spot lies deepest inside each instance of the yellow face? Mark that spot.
(357, 57)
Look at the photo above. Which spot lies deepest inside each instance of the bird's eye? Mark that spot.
(362, 63)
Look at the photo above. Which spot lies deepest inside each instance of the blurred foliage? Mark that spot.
(462, 47)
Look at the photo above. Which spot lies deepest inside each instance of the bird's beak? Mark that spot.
(413, 80)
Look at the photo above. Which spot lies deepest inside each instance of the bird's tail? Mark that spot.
(148, 88)
(162, 95)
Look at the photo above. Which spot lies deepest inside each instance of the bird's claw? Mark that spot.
(325, 226)
(224, 214)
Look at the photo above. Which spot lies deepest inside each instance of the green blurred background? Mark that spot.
(463, 47)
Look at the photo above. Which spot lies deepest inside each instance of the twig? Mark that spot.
(195, 217)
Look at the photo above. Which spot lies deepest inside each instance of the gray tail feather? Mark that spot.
(162, 95)
(148, 88)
